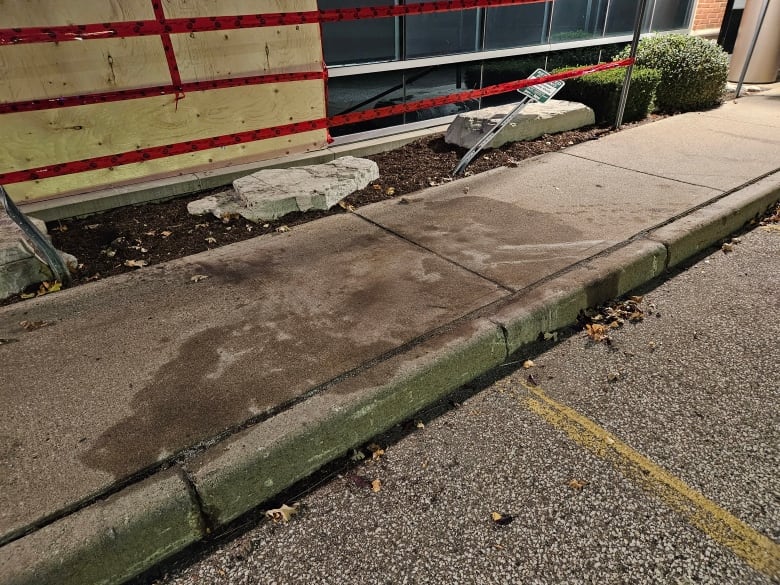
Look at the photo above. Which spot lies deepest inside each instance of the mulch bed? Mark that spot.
(123, 239)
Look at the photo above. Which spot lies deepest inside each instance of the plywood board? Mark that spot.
(166, 167)
(21, 13)
(220, 54)
(49, 70)
(33, 139)
(193, 8)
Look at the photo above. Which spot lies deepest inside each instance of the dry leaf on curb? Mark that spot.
(198, 277)
(282, 229)
(27, 295)
(527, 364)
(136, 263)
(376, 187)
(390, 191)
(211, 240)
(420, 424)
(596, 331)
(772, 227)
(33, 325)
(376, 485)
(727, 248)
(376, 451)
(49, 287)
(346, 206)
(577, 484)
(282, 514)
(501, 519)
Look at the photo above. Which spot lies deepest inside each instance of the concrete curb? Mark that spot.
(704, 227)
(110, 541)
(113, 540)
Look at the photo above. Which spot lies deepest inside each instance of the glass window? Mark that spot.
(444, 33)
(516, 26)
(431, 82)
(365, 92)
(576, 20)
(621, 16)
(671, 14)
(358, 41)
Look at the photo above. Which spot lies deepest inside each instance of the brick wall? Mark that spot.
(709, 14)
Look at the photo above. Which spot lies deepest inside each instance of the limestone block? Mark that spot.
(19, 265)
(273, 193)
(531, 122)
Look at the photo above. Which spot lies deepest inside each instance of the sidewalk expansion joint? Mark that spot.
(428, 250)
(206, 523)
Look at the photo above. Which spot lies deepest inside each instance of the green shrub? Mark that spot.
(693, 70)
(601, 92)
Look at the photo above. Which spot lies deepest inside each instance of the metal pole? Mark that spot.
(640, 16)
(753, 42)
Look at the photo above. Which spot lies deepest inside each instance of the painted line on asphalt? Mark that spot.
(757, 550)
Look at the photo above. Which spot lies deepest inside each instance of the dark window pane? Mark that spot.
(671, 14)
(441, 34)
(575, 20)
(621, 17)
(434, 82)
(516, 26)
(358, 41)
(364, 92)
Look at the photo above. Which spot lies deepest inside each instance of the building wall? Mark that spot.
(708, 15)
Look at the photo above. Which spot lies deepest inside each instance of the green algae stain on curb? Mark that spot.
(110, 541)
(259, 463)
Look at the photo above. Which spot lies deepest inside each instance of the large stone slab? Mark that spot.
(273, 193)
(19, 265)
(531, 122)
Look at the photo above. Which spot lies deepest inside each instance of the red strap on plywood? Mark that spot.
(145, 154)
(86, 32)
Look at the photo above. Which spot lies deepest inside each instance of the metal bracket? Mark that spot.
(40, 243)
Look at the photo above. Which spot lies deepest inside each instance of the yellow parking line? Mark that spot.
(753, 547)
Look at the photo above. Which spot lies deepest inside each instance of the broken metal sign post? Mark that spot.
(537, 93)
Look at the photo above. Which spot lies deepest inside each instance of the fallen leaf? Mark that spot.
(596, 331)
(501, 519)
(376, 485)
(613, 376)
(376, 187)
(376, 451)
(198, 277)
(577, 484)
(636, 299)
(282, 229)
(211, 240)
(26, 295)
(727, 248)
(166, 233)
(420, 424)
(33, 325)
(347, 206)
(772, 227)
(527, 364)
(136, 263)
(228, 217)
(532, 380)
(49, 287)
(390, 191)
(282, 514)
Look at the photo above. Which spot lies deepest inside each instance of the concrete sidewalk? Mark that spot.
(152, 408)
